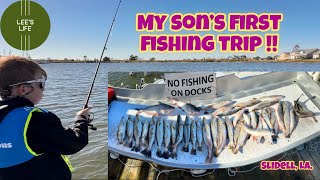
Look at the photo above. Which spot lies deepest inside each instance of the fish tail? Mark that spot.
(121, 142)
(287, 135)
(144, 143)
(165, 154)
(159, 153)
(128, 144)
(217, 154)
(137, 149)
(194, 151)
(209, 159)
(214, 149)
(274, 137)
(235, 150)
(173, 155)
(231, 146)
(199, 148)
(171, 147)
(146, 152)
(185, 148)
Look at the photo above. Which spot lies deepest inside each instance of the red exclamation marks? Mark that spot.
(272, 43)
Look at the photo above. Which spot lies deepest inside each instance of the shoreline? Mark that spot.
(190, 61)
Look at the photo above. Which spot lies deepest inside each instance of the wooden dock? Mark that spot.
(137, 169)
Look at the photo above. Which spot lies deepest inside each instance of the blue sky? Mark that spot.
(79, 27)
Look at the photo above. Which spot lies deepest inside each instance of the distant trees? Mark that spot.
(106, 59)
(152, 59)
(257, 58)
(133, 57)
(269, 58)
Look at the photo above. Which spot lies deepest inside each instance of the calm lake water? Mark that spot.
(65, 94)
(121, 74)
(211, 66)
(68, 85)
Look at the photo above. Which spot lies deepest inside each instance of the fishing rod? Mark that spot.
(95, 75)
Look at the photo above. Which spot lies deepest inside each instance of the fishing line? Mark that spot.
(97, 69)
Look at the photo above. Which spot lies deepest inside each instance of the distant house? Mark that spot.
(316, 55)
(237, 57)
(303, 54)
(283, 56)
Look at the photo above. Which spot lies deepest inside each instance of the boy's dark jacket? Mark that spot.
(45, 135)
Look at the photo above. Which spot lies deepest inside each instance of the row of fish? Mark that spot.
(262, 118)
(219, 109)
(223, 108)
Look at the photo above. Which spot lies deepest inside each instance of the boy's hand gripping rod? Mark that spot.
(95, 75)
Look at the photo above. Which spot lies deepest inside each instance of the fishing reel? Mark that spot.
(90, 119)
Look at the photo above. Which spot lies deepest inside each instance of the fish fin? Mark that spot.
(158, 153)
(314, 118)
(163, 103)
(146, 152)
(206, 112)
(194, 151)
(185, 149)
(165, 155)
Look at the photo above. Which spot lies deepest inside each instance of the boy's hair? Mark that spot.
(14, 69)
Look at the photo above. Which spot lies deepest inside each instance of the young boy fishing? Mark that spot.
(33, 142)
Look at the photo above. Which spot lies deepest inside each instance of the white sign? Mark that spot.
(192, 85)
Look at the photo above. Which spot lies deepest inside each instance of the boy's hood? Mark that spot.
(8, 105)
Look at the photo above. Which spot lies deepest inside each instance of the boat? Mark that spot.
(239, 86)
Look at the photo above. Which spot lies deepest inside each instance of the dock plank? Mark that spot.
(307, 157)
(316, 159)
(152, 174)
(132, 171)
(296, 157)
(115, 167)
